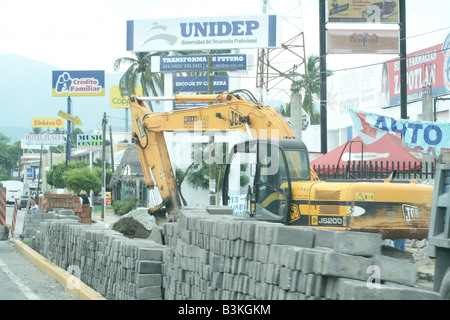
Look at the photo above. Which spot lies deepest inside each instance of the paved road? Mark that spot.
(20, 279)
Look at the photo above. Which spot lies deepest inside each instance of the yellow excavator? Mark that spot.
(277, 183)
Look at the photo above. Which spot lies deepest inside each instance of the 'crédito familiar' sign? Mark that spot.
(78, 83)
(203, 33)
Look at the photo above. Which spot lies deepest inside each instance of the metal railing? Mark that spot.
(376, 170)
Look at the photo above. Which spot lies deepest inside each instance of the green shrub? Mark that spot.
(124, 206)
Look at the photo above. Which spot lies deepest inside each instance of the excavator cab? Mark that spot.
(258, 175)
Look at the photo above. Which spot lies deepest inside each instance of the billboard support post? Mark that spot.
(69, 132)
(403, 66)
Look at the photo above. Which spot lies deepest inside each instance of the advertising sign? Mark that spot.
(427, 71)
(35, 141)
(203, 33)
(199, 84)
(370, 11)
(89, 141)
(108, 198)
(78, 83)
(119, 98)
(220, 62)
(363, 41)
(47, 123)
(428, 137)
(31, 173)
(69, 117)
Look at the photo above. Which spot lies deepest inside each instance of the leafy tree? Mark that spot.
(139, 73)
(309, 85)
(198, 176)
(82, 179)
(37, 130)
(9, 155)
(284, 111)
(58, 177)
(55, 176)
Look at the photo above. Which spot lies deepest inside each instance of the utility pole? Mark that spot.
(69, 133)
(103, 167)
(111, 149)
(212, 166)
(403, 67)
(39, 176)
(323, 78)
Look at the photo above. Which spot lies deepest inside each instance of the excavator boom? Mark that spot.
(222, 112)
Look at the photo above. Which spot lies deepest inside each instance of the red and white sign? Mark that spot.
(427, 71)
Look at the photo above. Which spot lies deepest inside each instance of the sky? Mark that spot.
(91, 34)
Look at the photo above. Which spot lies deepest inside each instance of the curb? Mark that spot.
(81, 290)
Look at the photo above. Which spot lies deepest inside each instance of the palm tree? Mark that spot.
(309, 85)
(139, 73)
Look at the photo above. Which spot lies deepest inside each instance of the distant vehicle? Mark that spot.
(23, 202)
(14, 190)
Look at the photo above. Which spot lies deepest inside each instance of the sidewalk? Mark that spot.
(109, 218)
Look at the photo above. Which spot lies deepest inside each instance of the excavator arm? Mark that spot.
(222, 112)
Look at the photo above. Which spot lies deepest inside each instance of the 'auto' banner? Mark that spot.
(425, 136)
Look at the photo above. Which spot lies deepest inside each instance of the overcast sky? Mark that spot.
(91, 34)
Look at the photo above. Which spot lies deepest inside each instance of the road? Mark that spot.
(20, 279)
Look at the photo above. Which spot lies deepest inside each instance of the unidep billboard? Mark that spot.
(203, 33)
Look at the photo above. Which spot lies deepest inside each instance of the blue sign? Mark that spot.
(199, 84)
(220, 62)
(78, 83)
(31, 173)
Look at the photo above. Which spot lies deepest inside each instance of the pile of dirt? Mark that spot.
(131, 228)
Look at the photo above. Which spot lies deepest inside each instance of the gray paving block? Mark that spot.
(294, 236)
(148, 280)
(357, 243)
(349, 289)
(324, 238)
(148, 267)
(148, 293)
(347, 266)
(396, 270)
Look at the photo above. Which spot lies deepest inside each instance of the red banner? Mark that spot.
(426, 72)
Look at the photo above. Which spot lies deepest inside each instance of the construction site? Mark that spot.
(264, 215)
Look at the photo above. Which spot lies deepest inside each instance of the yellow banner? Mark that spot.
(119, 97)
(370, 11)
(47, 123)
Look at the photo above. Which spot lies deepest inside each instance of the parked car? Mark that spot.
(23, 202)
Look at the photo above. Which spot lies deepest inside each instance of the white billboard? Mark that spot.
(36, 141)
(204, 33)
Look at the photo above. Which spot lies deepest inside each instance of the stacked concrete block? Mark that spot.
(221, 257)
(33, 219)
(226, 257)
(117, 267)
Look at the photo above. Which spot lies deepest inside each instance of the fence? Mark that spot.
(374, 170)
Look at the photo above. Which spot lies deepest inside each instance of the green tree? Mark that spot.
(139, 73)
(55, 177)
(198, 176)
(37, 130)
(58, 177)
(82, 179)
(284, 111)
(9, 156)
(309, 85)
